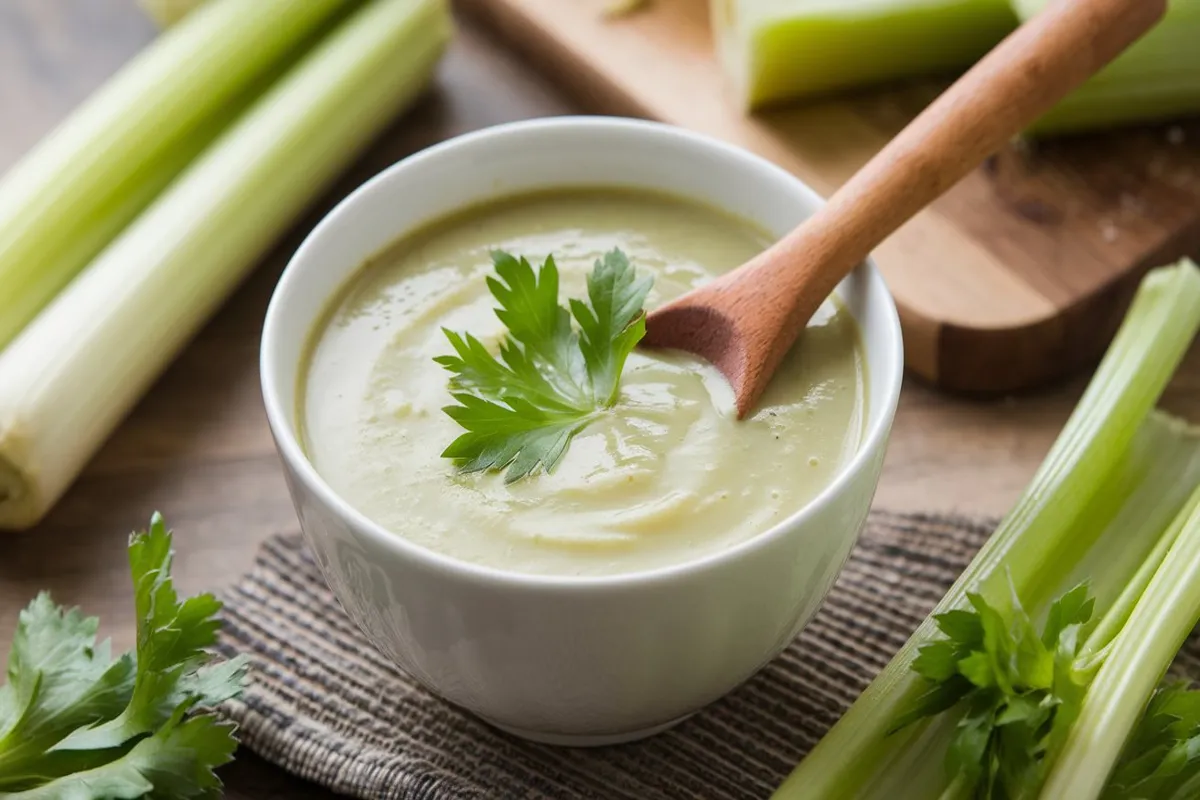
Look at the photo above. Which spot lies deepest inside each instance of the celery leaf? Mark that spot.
(77, 725)
(611, 323)
(59, 680)
(172, 638)
(175, 763)
(521, 410)
(1162, 758)
(1017, 689)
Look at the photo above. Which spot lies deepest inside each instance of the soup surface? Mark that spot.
(667, 476)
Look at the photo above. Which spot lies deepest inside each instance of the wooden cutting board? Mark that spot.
(1016, 277)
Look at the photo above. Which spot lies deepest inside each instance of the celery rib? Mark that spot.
(71, 195)
(1177, 478)
(119, 324)
(1160, 325)
(1155, 630)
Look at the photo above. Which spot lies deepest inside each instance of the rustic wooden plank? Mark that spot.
(1007, 282)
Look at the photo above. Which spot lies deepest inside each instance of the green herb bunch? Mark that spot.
(1021, 691)
(77, 724)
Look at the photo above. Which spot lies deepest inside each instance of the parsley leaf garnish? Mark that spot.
(1019, 691)
(522, 409)
(75, 724)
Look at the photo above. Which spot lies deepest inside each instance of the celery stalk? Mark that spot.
(1055, 511)
(89, 178)
(1141, 497)
(1171, 444)
(71, 375)
(1157, 78)
(1165, 614)
(775, 50)
(1120, 536)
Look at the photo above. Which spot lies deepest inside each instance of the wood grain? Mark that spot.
(747, 321)
(1016, 277)
(197, 448)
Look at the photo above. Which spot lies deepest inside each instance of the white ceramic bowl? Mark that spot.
(572, 660)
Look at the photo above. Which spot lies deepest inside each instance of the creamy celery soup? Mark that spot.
(668, 475)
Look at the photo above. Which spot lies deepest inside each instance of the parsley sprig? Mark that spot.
(76, 724)
(521, 410)
(1020, 690)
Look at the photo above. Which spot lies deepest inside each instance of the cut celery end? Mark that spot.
(1165, 614)
(72, 374)
(1099, 436)
(1158, 78)
(73, 193)
(774, 51)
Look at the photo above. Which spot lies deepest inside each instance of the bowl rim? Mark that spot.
(287, 441)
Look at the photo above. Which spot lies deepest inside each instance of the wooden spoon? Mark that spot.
(746, 321)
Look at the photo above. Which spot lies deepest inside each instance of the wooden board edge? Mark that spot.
(983, 362)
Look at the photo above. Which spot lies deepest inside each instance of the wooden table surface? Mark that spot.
(197, 448)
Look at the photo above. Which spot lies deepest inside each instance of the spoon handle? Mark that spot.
(1013, 86)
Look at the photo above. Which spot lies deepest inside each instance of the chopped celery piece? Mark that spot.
(74, 192)
(1157, 78)
(1054, 525)
(775, 50)
(70, 377)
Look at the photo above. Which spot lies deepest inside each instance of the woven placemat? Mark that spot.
(326, 706)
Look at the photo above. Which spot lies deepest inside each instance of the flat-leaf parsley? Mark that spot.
(76, 724)
(521, 410)
(1020, 690)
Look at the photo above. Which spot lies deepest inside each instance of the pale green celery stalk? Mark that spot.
(73, 373)
(1158, 78)
(74, 192)
(1115, 620)
(1141, 497)
(1117, 545)
(1157, 330)
(1172, 443)
(1161, 620)
(776, 50)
